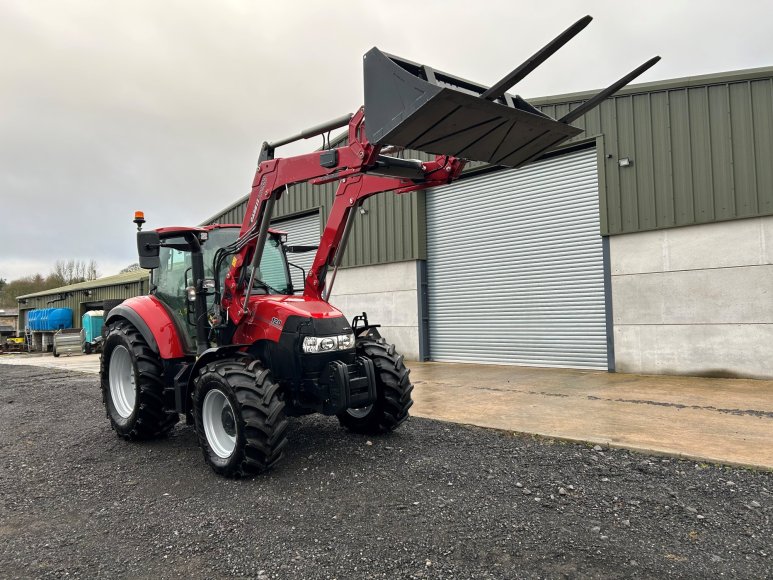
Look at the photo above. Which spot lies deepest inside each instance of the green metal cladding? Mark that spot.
(701, 151)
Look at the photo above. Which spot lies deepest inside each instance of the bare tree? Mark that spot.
(131, 268)
(67, 272)
(91, 271)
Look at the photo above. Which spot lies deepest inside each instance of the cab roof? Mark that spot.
(182, 229)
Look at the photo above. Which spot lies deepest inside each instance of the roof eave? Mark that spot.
(742, 75)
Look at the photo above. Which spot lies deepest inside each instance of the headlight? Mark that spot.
(345, 341)
(327, 344)
(315, 344)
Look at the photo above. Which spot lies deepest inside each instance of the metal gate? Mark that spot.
(301, 231)
(515, 269)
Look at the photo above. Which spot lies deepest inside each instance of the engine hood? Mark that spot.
(271, 315)
(296, 306)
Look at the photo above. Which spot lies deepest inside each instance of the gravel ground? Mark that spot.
(433, 500)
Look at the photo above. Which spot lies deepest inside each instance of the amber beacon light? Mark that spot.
(139, 219)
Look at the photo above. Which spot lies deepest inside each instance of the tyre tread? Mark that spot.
(393, 385)
(153, 419)
(261, 412)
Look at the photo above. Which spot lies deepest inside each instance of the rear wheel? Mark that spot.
(239, 417)
(132, 386)
(393, 391)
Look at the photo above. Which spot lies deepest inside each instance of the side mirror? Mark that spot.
(148, 244)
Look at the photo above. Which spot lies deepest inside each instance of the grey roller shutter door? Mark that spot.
(301, 231)
(514, 267)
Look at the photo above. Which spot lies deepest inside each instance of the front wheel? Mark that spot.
(393, 391)
(132, 387)
(239, 417)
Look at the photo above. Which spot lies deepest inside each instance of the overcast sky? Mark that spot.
(111, 106)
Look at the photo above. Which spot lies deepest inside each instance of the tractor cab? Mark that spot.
(174, 255)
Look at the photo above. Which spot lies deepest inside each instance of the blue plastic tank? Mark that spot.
(48, 319)
(35, 322)
(92, 323)
(59, 318)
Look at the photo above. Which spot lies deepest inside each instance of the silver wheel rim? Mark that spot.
(219, 421)
(360, 412)
(123, 389)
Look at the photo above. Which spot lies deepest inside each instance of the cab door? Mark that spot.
(170, 280)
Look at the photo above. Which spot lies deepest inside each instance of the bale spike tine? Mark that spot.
(594, 101)
(517, 75)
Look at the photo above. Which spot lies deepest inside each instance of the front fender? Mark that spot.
(212, 354)
(151, 318)
(206, 357)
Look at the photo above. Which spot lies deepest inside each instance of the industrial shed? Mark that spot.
(644, 245)
(7, 323)
(84, 296)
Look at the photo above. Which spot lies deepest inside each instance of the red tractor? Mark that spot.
(223, 337)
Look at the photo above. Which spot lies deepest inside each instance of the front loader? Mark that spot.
(225, 340)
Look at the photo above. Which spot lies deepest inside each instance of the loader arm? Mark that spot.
(410, 106)
(350, 195)
(349, 165)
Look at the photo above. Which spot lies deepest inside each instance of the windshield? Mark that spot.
(272, 276)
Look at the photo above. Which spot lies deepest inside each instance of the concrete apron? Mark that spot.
(719, 420)
(83, 363)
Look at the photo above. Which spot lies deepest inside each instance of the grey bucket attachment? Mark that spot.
(416, 107)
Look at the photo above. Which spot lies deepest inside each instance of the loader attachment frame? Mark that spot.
(417, 107)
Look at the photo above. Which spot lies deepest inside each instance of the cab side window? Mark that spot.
(169, 278)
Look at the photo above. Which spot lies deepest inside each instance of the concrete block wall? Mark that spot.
(696, 300)
(389, 294)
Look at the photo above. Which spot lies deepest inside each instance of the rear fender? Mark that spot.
(149, 316)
